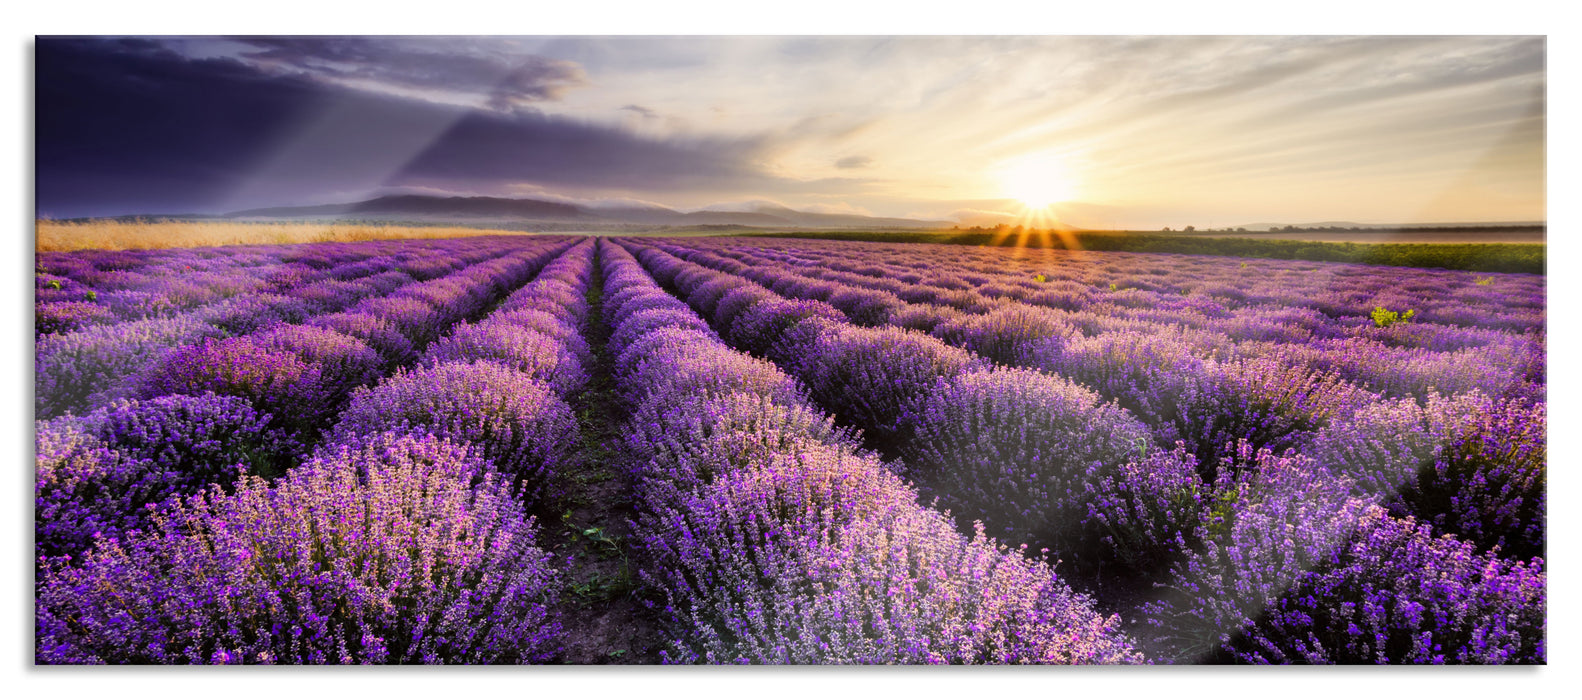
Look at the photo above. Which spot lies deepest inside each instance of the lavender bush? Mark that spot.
(1020, 450)
(1398, 594)
(512, 419)
(535, 354)
(397, 549)
(820, 556)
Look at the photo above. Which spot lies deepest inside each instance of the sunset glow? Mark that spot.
(1039, 180)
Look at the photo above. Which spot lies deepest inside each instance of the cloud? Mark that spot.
(132, 126)
(642, 111)
(854, 162)
(543, 149)
(501, 78)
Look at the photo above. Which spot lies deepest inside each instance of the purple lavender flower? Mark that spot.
(395, 549)
(513, 419)
(538, 355)
(81, 370)
(276, 381)
(1019, 450)
(821, 556)
(97, 475)
(67, 316)
(1397, 594)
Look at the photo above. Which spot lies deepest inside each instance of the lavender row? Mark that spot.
(1398, 359)
(1205, 288)
(76, 366)
(1140, 281)
(1019, 449)
(1009, 437)
(211, 410)
(1271, 401)
(500, 384)
(405, 538)
(306, 371)
(1292, 309)
(1292, 567)
(395, 548)
(1432, 355)
(80, 370)
(1059, 459)
(773, 539)
(185, 279)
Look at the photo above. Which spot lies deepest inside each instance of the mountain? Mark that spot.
(407, 205)
(435, 208)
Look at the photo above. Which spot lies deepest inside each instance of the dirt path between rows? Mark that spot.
(605, 619)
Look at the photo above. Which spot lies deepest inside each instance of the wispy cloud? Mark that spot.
(641, 111)
(495, 73)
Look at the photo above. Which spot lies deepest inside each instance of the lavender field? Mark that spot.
(795, 451)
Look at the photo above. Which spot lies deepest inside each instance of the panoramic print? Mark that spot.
(1116, 350)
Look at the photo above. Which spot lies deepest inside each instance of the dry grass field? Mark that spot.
(121, 235)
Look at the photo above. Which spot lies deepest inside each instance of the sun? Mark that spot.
(1038, 180)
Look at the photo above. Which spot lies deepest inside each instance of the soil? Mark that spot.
(602, 609)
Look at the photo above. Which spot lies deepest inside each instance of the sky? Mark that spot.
(1093, 131)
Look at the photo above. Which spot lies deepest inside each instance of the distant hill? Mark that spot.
(410, 205)
(436, 208)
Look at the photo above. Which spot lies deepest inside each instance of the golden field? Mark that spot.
(122, 235)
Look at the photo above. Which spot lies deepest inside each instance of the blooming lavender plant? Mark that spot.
(393, 549)
(378, 334)
(97, 475)
(821, 556)
(758, 329)
(538, 355)
(1006, 335)
(1020, 450)
(1270, 520)
(67, 316)
(878, 378)
(1470, 465)
(275, 381)
(85, 369)
(671, 371)
(344, 362)
(1395, 593)
(513, 420)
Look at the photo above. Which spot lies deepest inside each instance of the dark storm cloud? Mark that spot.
(854, 162)
(541, 149)
(128, 123)
(507, 79)
(130, 126)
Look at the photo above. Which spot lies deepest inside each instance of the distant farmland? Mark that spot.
(112, 234)
(1453, 254)
(1503, 234)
